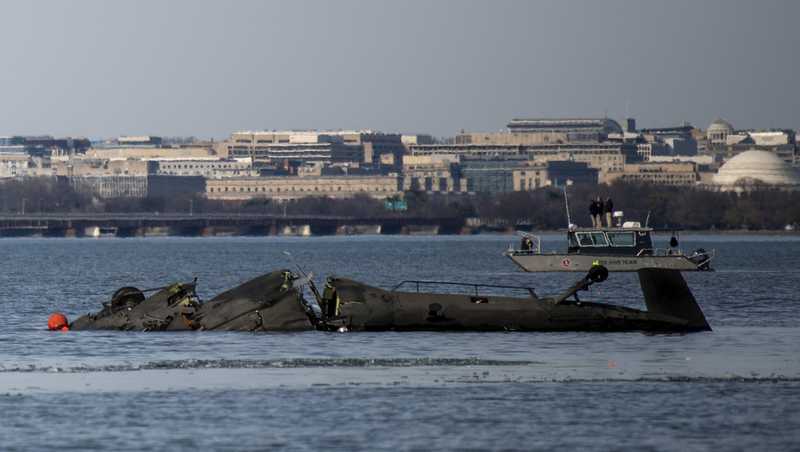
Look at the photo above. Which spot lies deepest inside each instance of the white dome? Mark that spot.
(720, 125)
(751, 167)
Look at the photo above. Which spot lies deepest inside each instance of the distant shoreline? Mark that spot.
(421, 233)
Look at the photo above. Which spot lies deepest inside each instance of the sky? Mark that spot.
(207, 68)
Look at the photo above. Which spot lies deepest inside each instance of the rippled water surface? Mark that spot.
(737, 387)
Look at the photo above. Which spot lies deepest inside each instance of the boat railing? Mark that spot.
(673, 252)
(660, 252)
(472, 286)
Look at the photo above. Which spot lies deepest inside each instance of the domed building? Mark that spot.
(718, 131)
(751, 168)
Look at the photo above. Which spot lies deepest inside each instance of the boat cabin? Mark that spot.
(613, 241)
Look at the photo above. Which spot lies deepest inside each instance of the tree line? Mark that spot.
(669, 207)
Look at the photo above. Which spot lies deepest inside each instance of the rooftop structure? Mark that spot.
(718, 131)
(661, 173)
(772, 137)
(685, 129)
(145, 140)
(584, 125)
(363, 146)
(44, 145)
(416, 139)
(124, 153)
(293, 187)
(524, 132)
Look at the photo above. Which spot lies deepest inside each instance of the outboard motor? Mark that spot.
(702, 258)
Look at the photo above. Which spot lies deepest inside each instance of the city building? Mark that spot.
(20, 164)
(436, 173)
(147, 153)
(407, 139)
(525, 132)
(294, 187)
(472, 150)
(647, 149)
(93, 167)
(480, 174)
(561, 173)
(210, 167)
(667, 173)
(296, 147)
(145, 140)
(531, 177)
(44, 145)
(717, 133)
(567, 129)
(723, 141)
(137, 186)
(699, 160)
(608, 158)
(109, 187)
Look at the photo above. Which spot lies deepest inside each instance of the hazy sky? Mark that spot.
(104, 68)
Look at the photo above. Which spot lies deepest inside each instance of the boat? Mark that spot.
(349, 305)
(626, 248)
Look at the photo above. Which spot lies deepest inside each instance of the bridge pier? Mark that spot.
(359, 229)
(303, 230)
(151, 224)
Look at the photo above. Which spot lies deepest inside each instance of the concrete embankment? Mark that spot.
(129, 225)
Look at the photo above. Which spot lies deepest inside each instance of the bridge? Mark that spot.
(79, 224)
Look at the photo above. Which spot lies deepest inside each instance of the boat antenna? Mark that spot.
(566, 201)
(647, 220)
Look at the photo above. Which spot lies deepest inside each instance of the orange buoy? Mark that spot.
(57, 322)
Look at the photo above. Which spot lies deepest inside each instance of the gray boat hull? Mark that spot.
(532, 262)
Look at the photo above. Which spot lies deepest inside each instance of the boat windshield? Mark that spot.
(592, 239)
(621, 238)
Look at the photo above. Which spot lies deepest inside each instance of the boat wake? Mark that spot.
(409, 370)
(272, 364)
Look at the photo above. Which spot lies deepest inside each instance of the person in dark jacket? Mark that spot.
(599, 212)
(594, 212)
(526, 244)
(608, 208)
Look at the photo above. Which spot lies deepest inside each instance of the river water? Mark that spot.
(735, 388)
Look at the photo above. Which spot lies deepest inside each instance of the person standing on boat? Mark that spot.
(593, 212)
(599, 215)
(608, 208)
